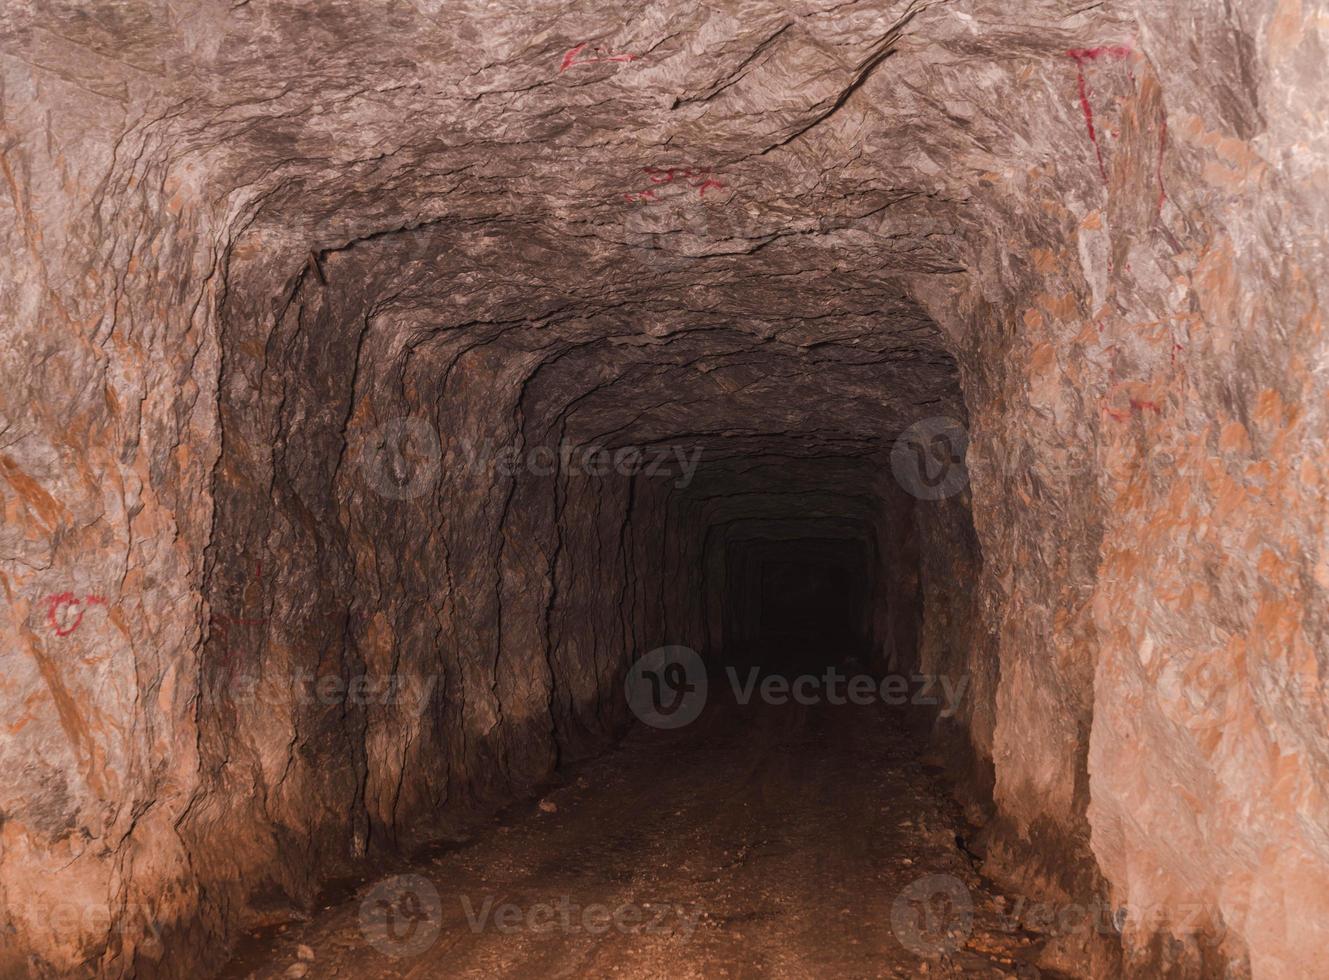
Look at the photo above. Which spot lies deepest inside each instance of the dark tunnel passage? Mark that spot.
(799, 601)
(832, 489)
(741, 515)
(701, 555)
(812, 596)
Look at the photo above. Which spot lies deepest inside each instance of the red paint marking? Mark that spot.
(701, 179)
(570, 57)
(668, 175)
(1081, 57)
(1088, 111)
(1113, 51)
(56, 604)
(1136, 405)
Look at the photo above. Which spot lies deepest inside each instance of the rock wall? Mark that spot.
(303, 307)
(1146, 477)
(108, 433)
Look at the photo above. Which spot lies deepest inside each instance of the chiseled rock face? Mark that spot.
(311, 312)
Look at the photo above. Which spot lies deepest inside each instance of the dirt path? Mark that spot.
(766, 842)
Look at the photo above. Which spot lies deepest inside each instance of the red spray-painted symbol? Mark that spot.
(700, 179)
(64, 612)
(1082, 57)
(572, 57)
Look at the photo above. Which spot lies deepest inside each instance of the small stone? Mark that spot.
(305, 953)
(548, 806)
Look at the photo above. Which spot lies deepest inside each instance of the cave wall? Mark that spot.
(109, 430)
(1138, 349)
(436, 626)
(239, 241)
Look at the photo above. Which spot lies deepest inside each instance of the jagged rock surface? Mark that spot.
(241, 239)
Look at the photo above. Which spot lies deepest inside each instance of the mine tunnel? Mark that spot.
(732, 490)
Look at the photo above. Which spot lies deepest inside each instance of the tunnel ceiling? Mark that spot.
(701, 223)
(697, 241)
(694, 205)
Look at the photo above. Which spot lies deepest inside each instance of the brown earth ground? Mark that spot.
(760, 841)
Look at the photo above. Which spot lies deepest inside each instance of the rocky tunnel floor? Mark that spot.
(759, 841)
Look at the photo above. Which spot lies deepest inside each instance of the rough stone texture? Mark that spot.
(240, 239)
